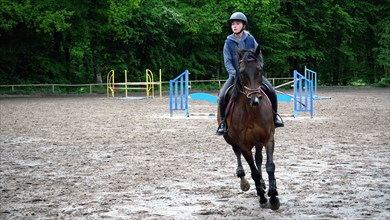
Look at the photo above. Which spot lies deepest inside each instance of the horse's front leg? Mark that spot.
(259, 161)
(247, 153)
(240, 169)
(270, 166)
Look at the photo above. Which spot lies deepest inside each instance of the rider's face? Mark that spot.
(237, 26)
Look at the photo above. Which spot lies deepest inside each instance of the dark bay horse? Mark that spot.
(250, 124)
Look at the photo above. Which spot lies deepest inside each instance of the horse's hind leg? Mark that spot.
(259, 160)
(270, 166)
(240, 169)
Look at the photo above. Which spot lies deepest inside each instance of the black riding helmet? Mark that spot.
(238, 16)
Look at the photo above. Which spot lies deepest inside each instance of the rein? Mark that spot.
(259, 90)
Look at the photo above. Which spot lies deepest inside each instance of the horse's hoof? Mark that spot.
(240, 173)
(245, 186)
(274, 203)
(264, 203)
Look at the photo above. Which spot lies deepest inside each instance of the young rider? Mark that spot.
(243, 40)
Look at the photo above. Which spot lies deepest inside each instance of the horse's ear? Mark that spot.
(258, 50)
(239, 52)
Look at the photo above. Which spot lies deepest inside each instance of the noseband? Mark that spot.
(248, 92)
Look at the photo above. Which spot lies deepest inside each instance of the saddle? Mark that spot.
(230, 100)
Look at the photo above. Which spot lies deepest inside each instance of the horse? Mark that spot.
(250, 123)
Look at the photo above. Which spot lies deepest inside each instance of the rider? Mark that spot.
(243, 40)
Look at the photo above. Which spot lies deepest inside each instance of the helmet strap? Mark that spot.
(242, 29)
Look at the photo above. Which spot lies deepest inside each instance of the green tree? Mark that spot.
(382, 51)
(80, 41)
(30, 34)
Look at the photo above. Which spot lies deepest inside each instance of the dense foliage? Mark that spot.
(79, 41)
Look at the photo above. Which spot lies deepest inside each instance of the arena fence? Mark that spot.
(52, 88)
(91, 88)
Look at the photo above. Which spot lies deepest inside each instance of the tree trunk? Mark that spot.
(99, 78)
(97, 67)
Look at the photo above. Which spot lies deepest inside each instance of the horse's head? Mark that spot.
(250, 73)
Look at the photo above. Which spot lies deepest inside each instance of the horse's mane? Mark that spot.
(245, 56)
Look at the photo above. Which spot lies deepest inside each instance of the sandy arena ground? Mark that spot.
(97, 157)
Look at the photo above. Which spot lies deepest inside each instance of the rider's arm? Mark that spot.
(228, 60)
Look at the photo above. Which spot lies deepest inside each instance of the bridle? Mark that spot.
(252, 94)
(248, 92)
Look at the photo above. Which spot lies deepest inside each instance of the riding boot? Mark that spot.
(274, 101)
(222, 128)
(278, 120)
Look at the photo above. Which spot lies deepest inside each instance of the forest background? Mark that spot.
(80, 41)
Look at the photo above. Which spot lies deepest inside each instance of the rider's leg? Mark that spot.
(222, 128)
(274, 101)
